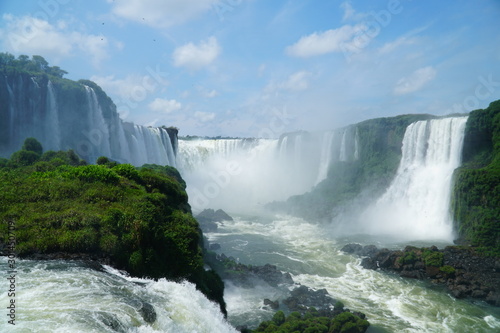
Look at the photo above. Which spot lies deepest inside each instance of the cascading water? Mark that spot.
(62, 296)
(38, 108)
(326, 156)
(52, 120)
(221, 172)
(311, 253)
(96, 119)
(416, 204)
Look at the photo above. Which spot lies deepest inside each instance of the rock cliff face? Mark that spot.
(64, 114)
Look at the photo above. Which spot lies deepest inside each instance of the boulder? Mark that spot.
(208, 219)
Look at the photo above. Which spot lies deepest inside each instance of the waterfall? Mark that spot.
(356, 144)
(52, 120)
(99, 132)
(74, 117)
(326, 155)
(343, 148)
(416, 204)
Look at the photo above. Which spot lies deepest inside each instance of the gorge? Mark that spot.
(296, 201)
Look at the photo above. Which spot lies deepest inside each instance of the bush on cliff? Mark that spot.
(139, 220)
(476, 192)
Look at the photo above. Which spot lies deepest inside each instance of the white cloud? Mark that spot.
(342, 39)
(295, 82)
(164, 105)
(196, 56)
(204, 116)
(132, 87)
(31, 35)
(161, 13)
(415, 81)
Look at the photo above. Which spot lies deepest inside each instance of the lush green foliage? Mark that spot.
(23, 63)
(313, 322)
(476, 193)
(432, 258)
(139, 219)
(32, 144)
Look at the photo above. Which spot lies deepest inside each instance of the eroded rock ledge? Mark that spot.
(463, 272)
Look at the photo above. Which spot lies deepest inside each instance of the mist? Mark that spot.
(243, 175)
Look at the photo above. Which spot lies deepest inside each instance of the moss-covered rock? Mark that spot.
(138, 220)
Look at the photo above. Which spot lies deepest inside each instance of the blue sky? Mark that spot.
(262, 67)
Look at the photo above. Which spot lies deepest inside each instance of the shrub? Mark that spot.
(102, 160)
(409, 257)
(23, 158)
(128, 171)
(432, 258)
(448, 270)
(339, 305)
(94, 173)
(279, 318)
(32, 144)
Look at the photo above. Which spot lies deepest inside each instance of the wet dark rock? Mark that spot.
(302, 298)
(208, 219)
(111, 321)
(247, 276)
(272, 304)
(214, 246)
(148, 313)
(463, 272)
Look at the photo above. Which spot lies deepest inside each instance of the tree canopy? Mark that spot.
(37, 64)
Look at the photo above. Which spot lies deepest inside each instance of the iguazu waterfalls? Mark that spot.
(261, 183)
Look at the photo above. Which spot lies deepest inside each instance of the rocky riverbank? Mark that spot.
(464, 273)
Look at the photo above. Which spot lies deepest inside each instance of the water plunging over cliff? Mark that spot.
(74, 116)
(416, 204)
(226, 173)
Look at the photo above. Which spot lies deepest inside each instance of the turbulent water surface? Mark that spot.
(68, 297)
(312, 254)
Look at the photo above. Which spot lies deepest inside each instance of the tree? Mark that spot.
(23, 158)
(39, 63)
(56, 71)
(32, 144)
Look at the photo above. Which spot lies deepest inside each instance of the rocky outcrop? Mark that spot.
(209, 218)
(463, 272)
(248, 276)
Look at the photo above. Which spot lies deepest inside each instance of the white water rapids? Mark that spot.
(312, 255)
(67, 297)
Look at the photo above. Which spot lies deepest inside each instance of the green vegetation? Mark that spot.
(23, 63)
(432, 258)
(380, 146)
(476, 192)
(408, 258)
(139, 219)
(313, 322)
(447, 269)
